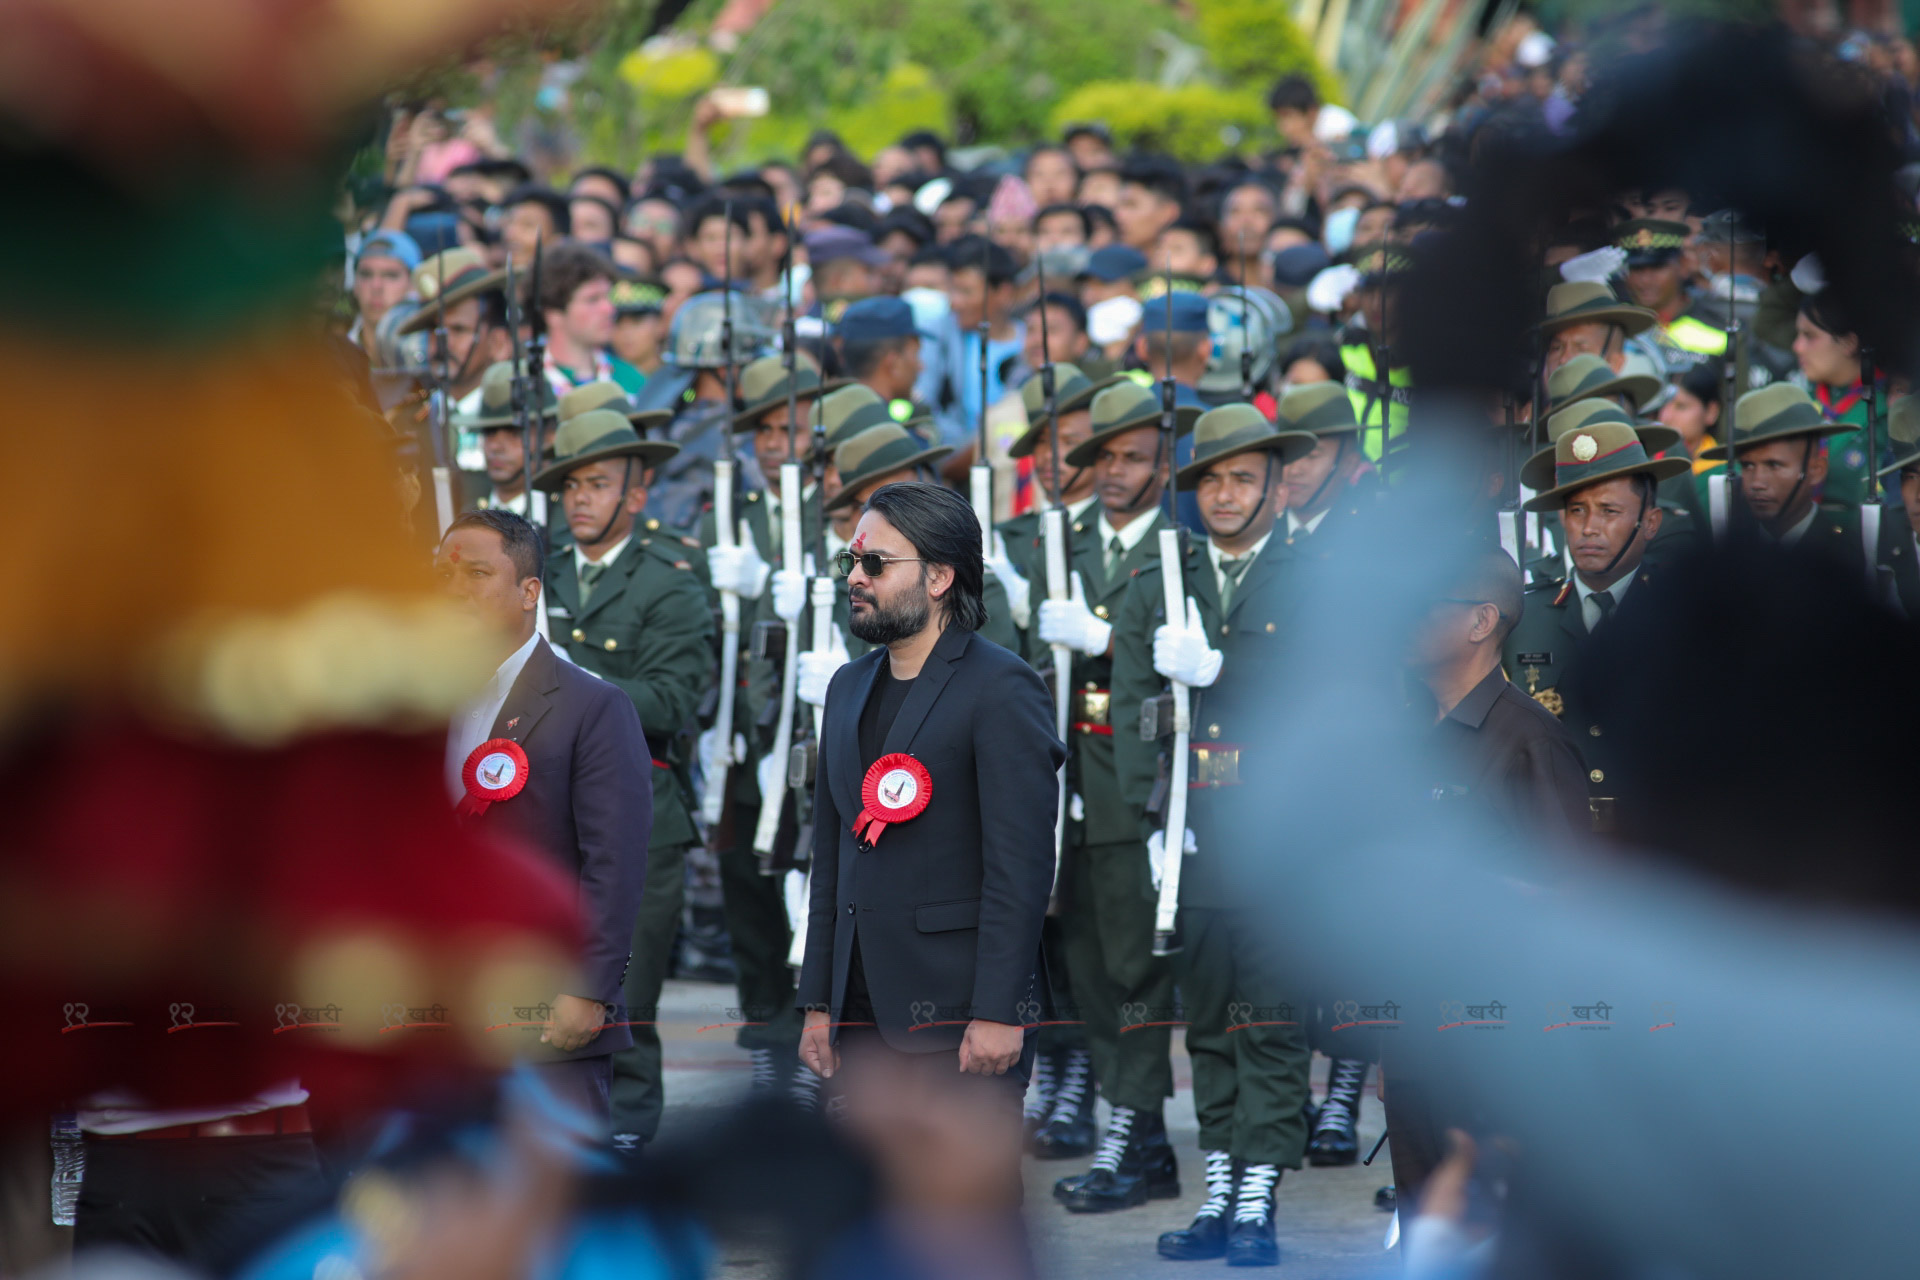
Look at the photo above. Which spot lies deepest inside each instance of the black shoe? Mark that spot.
(1069, 1132)
(1135, 1164)
(1386, 1199)
(1207, 1237)
(1334, 1141)
(1250, 1241)
(1037, 1108)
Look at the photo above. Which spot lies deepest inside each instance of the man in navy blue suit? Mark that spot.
(554, 755)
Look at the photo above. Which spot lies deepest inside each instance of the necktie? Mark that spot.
(1115, 550)
(589, 576)
(1232, 569)
(1603, 601)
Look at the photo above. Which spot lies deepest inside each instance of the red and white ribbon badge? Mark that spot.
(495, 771)
(895, 789)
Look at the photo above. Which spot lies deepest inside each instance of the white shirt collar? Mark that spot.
(1131, 536)
(1589, 611)
(472, 723)
(1216, 555)
(517, 505)
(580, 561)
(1311, 524)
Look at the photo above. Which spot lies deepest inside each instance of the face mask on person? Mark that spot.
(1337, 233)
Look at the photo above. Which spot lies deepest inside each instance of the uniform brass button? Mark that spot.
(1593, 730)
(1092, 687)
(612, 645)
(1269, 628)
(1596, 776)
(1224, 628)
(1213, 731)
(578, 635)
(1099, 611)
(653, 524)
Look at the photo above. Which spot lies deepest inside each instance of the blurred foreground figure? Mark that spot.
(933, 854)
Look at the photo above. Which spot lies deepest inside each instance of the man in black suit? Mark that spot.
(923, 937)
(583, 795)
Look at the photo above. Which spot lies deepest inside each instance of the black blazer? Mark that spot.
(948, 906)
(588, 802)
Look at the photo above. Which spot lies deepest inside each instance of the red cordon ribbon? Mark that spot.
(896, 789)
(495, 771)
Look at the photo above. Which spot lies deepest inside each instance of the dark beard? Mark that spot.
(880, 625)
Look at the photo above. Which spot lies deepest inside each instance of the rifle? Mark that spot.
(1174, 833)
(527, 420)
(774, 807)
(801, 765)
(1053, 525)
(440, 372)
(1246, 324)
(1870, 501)
(980, 478)
(713, 800)
(1720, 487)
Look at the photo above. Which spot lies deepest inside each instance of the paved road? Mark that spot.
(1329, 1229)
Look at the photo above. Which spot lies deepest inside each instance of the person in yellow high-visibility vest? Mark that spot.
(1364, 347)
(1656, 278)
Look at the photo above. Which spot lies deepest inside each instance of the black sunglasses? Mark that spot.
(871, 563)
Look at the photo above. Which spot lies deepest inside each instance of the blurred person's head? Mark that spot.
(981, 282)
(929, 150)
(1694, 407)
(955, 217)
(822, 146)
(490, 561)
(1825, 344)
(592, 218)
(891, 164)
(576, 285)
(1111, 272)
(1288, 233)
(1457, 643)
(1609, 526)
(1187, 248)
(1099, 184)
(1375, 223)
(880, 347)
(383, 274)
(534, 216)
(929, 269)
(1065, 331)
(1102, 230)
(1059, 226)
(1153, 194)
(683, 279)
(635, 257)
(1312, 359)
(1295, 103)
(706, 236)
(601, 183)
(1052, 175)
(1246, 214)
(655, 220)
(1090, 145)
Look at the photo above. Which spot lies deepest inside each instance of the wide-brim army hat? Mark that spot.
(1586, 377)
(1233, 429)
(1537, 472)
(589, 396)
(1606, 448)
(1322, 408)
(879, 450)
(1589, 302)
(1903, 434)
(763, 386)
(466, 275)
(496, 400)
(1072, 389)
(1379, 259)
(1125, 406)
(1778, 411)
(598, 435)
(841, 415)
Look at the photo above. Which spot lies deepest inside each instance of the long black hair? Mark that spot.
(943, 530)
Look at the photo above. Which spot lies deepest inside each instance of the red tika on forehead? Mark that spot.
(454, 556)
(858, 544)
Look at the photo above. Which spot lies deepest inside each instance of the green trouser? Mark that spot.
(1246, 1037)
(1122, 992)
(638, 1097)
(756, 915)
(1061, 1029)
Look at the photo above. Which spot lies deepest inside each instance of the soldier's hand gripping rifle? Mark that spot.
(713, 800)
(1053, 530)
(527, 404)
(440, 371)
(1174, 835)
(779, 812)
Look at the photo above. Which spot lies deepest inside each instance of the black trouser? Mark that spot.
(638, 1094)
(583, 1083)
(756, 914)
(197, 1201)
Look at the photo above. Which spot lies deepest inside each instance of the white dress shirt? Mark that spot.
(1130, 537)
(473, 723)
(1215, 556)
(580, 561)
(1312, 524)
(1589, 611)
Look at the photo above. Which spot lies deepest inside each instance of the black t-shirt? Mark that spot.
(876, 719)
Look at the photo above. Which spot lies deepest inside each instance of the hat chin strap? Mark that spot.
(1159, 450)
(1339, 456)
(1266, 494)
(1632, 538)
(1806, 461)
(626, 482)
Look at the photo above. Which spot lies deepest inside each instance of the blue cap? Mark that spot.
(1188, 310)
(830, 244)
(876, 319)
(1116, 262)
(390, 244)
(1296, 266)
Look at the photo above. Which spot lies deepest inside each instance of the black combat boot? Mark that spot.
(1250, 1241)
(1207, 1237)
(1069, 1130)
(1134, 1164)
(1038, 1104)
(1334, 1141)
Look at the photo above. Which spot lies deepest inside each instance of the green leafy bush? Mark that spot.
(1194, 121)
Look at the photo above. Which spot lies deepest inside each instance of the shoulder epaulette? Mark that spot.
(691, 542)
(1566, 589)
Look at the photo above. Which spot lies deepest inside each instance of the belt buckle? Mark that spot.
(1216, 766)
(1096, 705)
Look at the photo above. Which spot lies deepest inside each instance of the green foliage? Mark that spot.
(1193, 122)
(1255, 42)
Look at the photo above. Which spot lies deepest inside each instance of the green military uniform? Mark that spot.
(1552, 633)
(1782, 411)
(643, 625)
(1246, 1026)
(1105, 884)
(1678, 529)
(1899, 551)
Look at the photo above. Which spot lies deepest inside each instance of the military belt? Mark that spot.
(1090, 711)
(1215, 764)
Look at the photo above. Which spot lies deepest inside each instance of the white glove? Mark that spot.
(1182, 653)
(1157, 853)
(1010, 579)
(738, 569)
(1594, 266)
(710, 751)
(789, 594)
(816, 670)
(770, 769)
(1071, 623)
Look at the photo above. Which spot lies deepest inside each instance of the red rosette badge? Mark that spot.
(896, 789)
(495, 771)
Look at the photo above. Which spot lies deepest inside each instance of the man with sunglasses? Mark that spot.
(1249, 1071)
(933, 830)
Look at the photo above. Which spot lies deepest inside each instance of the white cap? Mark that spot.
(1808, 275)
(1534, 49)
(1334, 123)
(1326, 291)
(927, 199)
(1113, 319)
(1383, 140)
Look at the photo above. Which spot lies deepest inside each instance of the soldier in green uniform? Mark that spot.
(1899, 558)
(1328, 486)
(1776, 446)
(1585, 318)
(1588, 377)
(1245, 1030)
(628, 606)
(1603, 484)
(1124, 993)
(1675, 533)
(501, 443)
